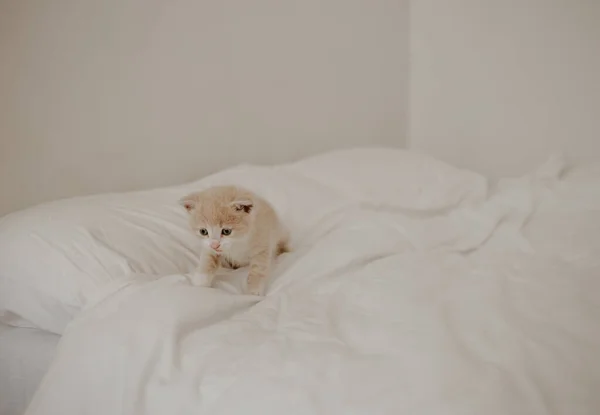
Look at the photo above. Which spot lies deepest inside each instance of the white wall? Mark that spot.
(122, 94)
(499, 84)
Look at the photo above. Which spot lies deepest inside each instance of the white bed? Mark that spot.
(25, 355)
(412, 288)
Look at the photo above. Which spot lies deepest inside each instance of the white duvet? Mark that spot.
(487, 308)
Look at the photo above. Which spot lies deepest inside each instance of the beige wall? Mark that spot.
(496, 85)
(123, 94)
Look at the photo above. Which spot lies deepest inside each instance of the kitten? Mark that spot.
(239, 229)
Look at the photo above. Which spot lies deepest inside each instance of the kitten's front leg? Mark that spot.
(205, 274)
(260, 265)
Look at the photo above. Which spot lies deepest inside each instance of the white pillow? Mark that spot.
(54, 255)
(50, 253)
(395, 178)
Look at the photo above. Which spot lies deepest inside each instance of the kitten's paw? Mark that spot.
(255, 291)
(256, 285)
(201, 279)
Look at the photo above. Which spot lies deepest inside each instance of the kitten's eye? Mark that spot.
(203, 232)
(226, 231)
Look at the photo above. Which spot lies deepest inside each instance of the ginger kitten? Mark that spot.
(239, 228)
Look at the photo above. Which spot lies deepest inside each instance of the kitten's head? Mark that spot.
(220, 215)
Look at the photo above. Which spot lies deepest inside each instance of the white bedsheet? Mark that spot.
(379, 312)
(25, 355)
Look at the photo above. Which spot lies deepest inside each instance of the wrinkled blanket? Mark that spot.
(488, 308)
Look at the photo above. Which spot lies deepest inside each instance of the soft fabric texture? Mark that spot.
(489, 306)
(25, 355)
(53, 256)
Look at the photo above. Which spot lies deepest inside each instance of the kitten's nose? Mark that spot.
(215, 244)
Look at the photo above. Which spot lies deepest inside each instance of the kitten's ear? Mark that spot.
(189, 202)
(244, 205)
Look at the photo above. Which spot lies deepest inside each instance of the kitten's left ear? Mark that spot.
(245, 205)
(189, 202)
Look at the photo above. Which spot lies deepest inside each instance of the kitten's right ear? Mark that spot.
(243, 205)
(189, 202)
